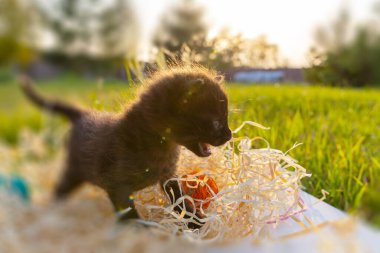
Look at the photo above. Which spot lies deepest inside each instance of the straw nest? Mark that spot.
(255, 188)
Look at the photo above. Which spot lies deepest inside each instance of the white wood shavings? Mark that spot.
(257, 187)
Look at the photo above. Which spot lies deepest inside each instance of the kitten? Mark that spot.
(124, 153)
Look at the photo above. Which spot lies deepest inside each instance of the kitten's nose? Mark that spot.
(228, 135)
(224, 137)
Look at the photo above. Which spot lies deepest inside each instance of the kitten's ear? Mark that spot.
(219, 78)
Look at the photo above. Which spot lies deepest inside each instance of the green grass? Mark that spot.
(16, 112)
(339, 129)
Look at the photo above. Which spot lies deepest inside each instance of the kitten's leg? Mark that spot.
(121, 200)
(172, 188)
(70, 180)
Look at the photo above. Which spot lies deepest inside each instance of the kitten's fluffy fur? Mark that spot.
(123, 153)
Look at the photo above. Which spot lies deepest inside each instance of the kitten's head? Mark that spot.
(190, 108)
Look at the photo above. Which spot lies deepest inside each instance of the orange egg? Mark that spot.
(199, 190)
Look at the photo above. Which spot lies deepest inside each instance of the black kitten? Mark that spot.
(123, 153)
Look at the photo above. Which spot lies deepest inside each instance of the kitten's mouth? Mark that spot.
(204, 149)
(201, 149)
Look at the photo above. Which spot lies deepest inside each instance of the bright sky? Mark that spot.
(288, 23)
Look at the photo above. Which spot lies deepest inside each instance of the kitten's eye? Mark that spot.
(216, 124)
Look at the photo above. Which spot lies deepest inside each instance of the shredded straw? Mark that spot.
(257, 187)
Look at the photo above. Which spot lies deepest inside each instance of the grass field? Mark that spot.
(339, 129)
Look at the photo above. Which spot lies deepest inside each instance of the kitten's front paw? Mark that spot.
(196, 224)
(193, 225)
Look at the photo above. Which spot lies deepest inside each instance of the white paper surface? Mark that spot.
(352, 236)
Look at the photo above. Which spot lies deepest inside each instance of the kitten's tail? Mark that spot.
(71, 112)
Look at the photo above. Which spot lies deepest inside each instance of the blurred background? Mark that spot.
(335, 43)
(309, 70)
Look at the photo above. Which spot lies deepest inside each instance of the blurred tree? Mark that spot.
(341, 58)
(221, 52)
(118, 32)
(16, 31)
(69, 22)
(226, 50)
(182, 34)
(179, 26)
(86, 33)
(261, 53)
